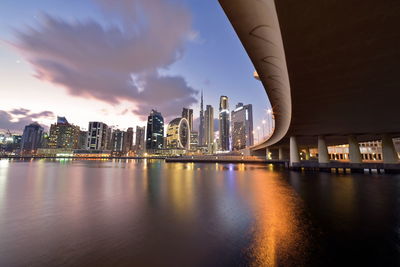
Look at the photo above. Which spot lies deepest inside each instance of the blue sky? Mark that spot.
(212, 60)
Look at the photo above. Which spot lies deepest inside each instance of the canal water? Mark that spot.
(152, 213)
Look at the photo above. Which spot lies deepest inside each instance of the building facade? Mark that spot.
(63, 134)
(242, 126)
(224, 123)
(117, 142)
(178, 134)
(155, 131)
(98, 136)
(128, 142)
(187, 113)
(31, 138)
(209, 126)
(201, 123)
(139, 139)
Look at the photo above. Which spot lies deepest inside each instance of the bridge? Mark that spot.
(331, 70)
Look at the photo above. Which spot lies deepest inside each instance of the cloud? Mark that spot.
(119, 61)
(16, 119)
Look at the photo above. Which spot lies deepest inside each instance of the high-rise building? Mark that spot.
(139, 139)
(82, 140)
(178, 134)
(209, 126)
(63, 134)
(117, 141)
(98, 136)
(155, 131)
(194, 140)
(224, 123)
(187, 113)
(242, 126)
(31, 138)
(128, 141)
(201, 125)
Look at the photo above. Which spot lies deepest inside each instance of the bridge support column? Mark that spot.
(294, 151)
(388, 150)
(354, 150)
(281, 156)
(323, 156)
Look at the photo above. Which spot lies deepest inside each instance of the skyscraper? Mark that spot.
(98, 136)
(155, 131)
(31, 138)
(139, 140)
(178, 134)
(117, 142)
(201, 126)
(224, 123)
(187, 113)
(128, 141)
(209, 126)
(242, 126)
(63, 134)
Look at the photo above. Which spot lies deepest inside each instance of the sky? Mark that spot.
(115, 60)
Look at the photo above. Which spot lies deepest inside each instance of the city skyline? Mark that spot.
(45, 97)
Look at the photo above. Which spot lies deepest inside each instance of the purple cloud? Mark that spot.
(117, 62)
(7, 119)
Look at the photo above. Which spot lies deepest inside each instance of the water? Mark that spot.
(151, 213)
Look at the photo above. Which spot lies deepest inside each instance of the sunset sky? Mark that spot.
(115, 60)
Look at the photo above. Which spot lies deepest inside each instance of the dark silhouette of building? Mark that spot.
(32, 138)
(155, 131)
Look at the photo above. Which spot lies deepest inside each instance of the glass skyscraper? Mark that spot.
(155, 131)
(242, 126)
(224, 123)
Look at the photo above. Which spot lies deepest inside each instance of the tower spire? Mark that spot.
(201, 102)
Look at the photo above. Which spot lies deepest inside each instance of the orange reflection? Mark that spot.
(279, 234)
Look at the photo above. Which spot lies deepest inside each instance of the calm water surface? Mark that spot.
(151, 213)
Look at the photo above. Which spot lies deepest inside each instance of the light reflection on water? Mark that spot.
(150, 213)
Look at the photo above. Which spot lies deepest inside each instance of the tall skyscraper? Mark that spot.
(242, 126)
(117, 141)
(209, 126)
(98, 136)
(139, 140)
(31, 138)
(128, 141)
(155, 131)
(201, 125)
(187, 113)
(63, 134)
(224, 123)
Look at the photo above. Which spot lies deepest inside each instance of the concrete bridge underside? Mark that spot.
(330, 68)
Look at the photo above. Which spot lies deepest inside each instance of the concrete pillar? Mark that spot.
(354, 150)
(388, 150)
(280, 154)
(268, 154)
(307, 153)
(294, 151)
(323, 156)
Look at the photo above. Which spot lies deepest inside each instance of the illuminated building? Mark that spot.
(242, 126)
(178, 134)
(224, 123)
(188, 115)
(98, 136)
(202, 123)
(194, 140)
(117, 142)
(63, 134)
(209, 126)
(32, 138)
(155, 131)
(139, 139)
